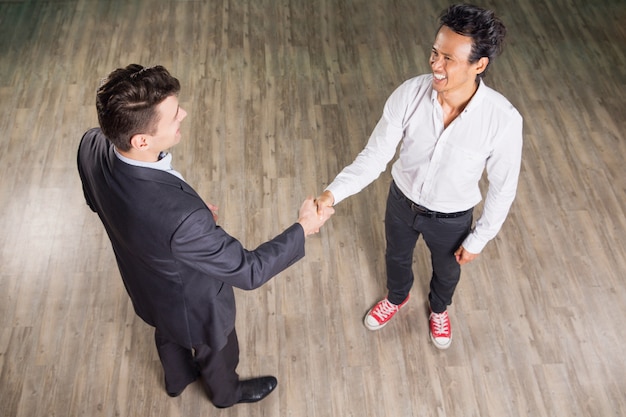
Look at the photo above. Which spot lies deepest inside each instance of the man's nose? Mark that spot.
(435, 62)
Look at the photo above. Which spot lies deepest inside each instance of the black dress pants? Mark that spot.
(216, 369)
(443, 236)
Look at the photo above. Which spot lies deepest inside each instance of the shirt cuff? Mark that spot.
(473, 243)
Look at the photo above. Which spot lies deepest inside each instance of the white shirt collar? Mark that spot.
(163, 164)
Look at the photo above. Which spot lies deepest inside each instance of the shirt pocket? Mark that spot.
(465, 163)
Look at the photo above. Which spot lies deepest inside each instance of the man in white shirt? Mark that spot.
(451, 127)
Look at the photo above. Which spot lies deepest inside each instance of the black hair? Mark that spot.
(486, 30)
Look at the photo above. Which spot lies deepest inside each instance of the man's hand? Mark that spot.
(326, 199)
(311, 219)
(463, 257)
(214, 210)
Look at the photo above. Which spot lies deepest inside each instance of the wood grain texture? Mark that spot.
(281, 95)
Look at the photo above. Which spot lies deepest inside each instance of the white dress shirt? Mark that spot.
(440, 168)
(164, 163)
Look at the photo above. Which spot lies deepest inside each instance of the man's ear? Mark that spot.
(481, 65)
(139, 142)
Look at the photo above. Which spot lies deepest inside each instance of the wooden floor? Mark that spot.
(281, 95)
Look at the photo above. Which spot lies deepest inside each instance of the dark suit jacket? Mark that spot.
(178, 266)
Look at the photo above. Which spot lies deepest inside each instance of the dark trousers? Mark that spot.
(443, 236)
(216, 369)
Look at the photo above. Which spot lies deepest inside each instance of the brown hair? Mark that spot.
(126, 101)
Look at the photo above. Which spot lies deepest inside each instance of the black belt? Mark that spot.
(423, 211)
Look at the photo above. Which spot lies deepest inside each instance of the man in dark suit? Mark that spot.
(179, 268)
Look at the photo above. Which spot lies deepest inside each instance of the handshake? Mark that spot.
(314, 213)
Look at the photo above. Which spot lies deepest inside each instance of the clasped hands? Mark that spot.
(313, 214)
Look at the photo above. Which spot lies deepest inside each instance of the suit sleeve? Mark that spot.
(86, 143)
(202, 245)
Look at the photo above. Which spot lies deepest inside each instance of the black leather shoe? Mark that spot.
(253, 390)
(175, 394)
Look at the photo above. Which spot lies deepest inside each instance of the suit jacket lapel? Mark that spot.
(149, 174)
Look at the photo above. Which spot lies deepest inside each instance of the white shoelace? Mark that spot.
(386, 309)
(440, 323)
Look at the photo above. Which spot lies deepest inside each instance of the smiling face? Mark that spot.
(449, 60)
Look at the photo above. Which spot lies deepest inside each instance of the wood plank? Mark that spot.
(281, 96)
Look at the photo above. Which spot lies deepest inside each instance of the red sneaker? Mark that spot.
(381, 313)
(440, 330)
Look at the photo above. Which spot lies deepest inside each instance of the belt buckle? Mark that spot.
(421, 210)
